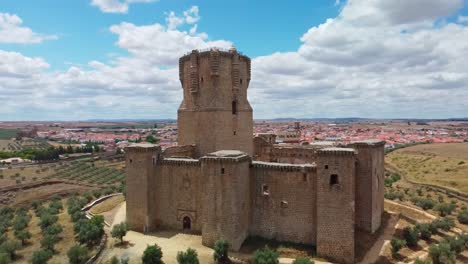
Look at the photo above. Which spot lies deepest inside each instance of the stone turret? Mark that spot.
(215, 113)
(140, 162)
(369, 184)
(335, 204)
(226, 197)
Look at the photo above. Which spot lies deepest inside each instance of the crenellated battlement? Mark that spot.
(142, 147)
(336, 151)
(284, 166)
(179, 162)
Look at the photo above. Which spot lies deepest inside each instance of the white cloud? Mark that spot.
(116, 6)
(376, 59)
(144, 84)
(11, 31)
(344, 67)
(462, 19)
(397, 12)
(189, 16)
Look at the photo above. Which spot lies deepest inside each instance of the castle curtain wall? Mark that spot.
(283, 202)
(177, 193)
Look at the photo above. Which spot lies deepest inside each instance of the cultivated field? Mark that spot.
(439, 164)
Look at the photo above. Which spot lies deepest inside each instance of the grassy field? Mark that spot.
(439, 164)
(8, 133)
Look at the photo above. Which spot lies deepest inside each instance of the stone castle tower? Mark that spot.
(223, 183)
(215, 113)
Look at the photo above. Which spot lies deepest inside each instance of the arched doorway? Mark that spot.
(187, 223)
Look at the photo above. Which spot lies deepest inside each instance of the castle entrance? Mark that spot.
(187, 223)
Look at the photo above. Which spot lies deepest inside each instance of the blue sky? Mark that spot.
(256, 27)
(82, 59)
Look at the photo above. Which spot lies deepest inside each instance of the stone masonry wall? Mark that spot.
(140, 163)
(177, 194)
(335, 204)
(226, 200)
(287, 210)
(369, 184)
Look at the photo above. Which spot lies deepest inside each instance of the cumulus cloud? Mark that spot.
(116, 6)
(144, 84)
(395, 67)
(12, 31)
(189, 16)
(397, 12)
(370, 61)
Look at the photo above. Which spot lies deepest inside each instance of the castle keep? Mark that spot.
(223, 183)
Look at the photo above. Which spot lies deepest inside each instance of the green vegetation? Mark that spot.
(188, 257)
(41, 256)
(82, 171)
(115, 260)
(119, 231)
(77, 254)
(152, 255)
(411, 236)
(265, 256)
(445, 209)
(441, 253)
(463, 217)
(397, 244)
(8, 133)
(221, 250)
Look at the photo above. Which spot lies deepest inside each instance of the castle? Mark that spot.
(223, 183)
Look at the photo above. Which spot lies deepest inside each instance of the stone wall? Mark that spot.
(186, 151)
(140, 162)
(177, 193)
(226, 198)
(369, 184)
(335, 204)
(283, 202)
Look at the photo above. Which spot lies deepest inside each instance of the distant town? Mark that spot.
(115, 136)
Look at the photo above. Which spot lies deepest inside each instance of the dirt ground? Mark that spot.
(439, 164)
(26, 196)
(170, 242)
(66, 242)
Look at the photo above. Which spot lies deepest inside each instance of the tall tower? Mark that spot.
(215, 113)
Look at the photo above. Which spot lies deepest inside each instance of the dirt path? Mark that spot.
(374, 252)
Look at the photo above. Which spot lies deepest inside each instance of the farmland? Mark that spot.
(444, 165)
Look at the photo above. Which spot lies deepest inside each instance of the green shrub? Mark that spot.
(444, 209)
(441, 254)
(426, 203)
(4, 258)
(119, 231)
(77, 254)
(152, 255)
(47, 219)
(425, 231)
(265, 256)
(456, 244)
(463, 217)
(48, 242)
(41, 256)
(54, 229)
(221, 250)
(188, 257)
(411, 236)
(10, 247)
(444, 223)
(23, 236)
(397, 244)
